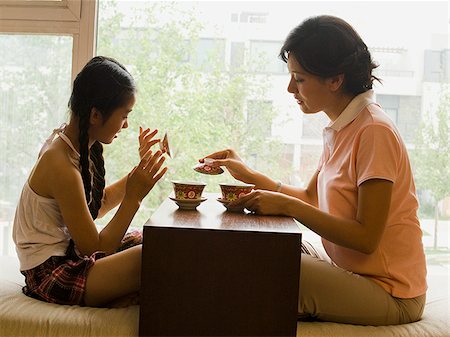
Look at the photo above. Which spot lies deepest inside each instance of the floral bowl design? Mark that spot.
(188, 190)
(231, 192)
(207, 169)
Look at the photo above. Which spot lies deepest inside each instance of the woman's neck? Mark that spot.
(338, 104)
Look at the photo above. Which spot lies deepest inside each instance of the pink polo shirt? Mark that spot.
(362, 144)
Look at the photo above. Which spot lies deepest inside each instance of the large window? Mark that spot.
(231, 89)
(209, 75)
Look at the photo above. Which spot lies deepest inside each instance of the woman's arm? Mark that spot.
(308, 194)
(362, 234)
(239, 170)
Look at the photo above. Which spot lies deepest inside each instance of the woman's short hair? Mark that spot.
(327, 46)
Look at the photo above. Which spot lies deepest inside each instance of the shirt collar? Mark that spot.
(351, 111)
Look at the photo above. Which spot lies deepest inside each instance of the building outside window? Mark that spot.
(264, 55)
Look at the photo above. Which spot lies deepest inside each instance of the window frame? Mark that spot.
(76, 18)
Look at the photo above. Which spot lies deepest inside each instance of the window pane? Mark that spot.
(35, 87)
(205, 49)
(264, 58)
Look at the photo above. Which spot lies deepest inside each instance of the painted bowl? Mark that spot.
(188, 190)
(231, 192)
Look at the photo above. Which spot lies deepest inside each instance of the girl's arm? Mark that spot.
(112, 196)
(75, 212)
(114, 193)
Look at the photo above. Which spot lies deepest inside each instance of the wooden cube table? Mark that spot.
(211, 272)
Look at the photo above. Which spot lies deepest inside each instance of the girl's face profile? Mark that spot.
(115, 123)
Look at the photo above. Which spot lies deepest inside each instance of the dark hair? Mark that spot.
(106, 85)
(326, 46)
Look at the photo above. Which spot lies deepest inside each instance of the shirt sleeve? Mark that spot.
(378, 154)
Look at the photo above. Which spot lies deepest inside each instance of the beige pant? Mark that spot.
(330, 293)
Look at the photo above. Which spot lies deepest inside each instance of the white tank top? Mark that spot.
(39, 230)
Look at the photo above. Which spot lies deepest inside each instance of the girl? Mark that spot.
(62, 255)
(361, 200)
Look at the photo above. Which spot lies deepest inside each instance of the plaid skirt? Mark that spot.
(62, 279)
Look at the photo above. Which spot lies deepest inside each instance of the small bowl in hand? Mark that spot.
(234, 191)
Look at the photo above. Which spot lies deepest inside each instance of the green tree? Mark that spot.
(193, 96)
(431, 157)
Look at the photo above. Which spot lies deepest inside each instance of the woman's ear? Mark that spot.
(95, 117)
(336, 82)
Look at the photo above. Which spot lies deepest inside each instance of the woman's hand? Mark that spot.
(234, 164)
(263, 202)
(146, 140)
(144, 176)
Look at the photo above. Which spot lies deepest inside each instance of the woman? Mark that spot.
(62, 255)
(361, 200)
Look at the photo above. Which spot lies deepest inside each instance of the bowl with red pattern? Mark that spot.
(188, 190)
(233, 191)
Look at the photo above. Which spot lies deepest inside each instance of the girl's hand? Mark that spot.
(144, 176)
(146, 140)
(263, 202)
(234, 164)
